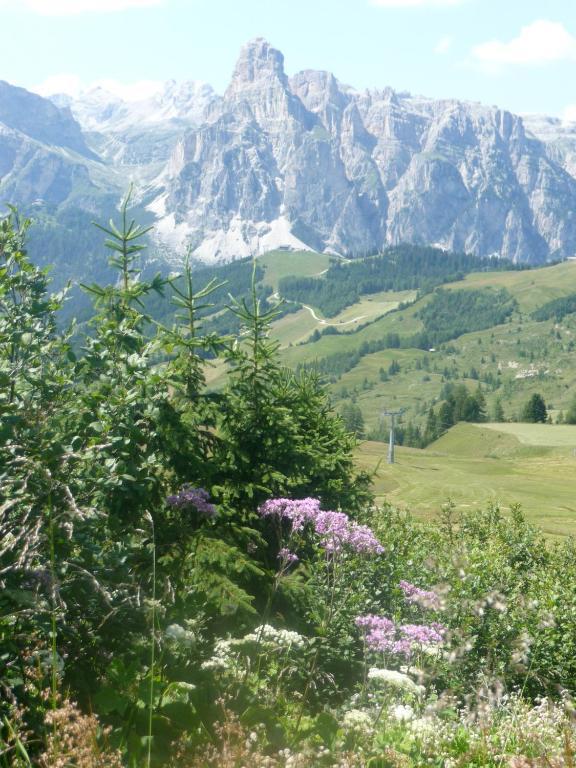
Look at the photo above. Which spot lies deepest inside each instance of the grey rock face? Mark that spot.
(353, 172)
(40, 119)
(301, 162)
(44, 158)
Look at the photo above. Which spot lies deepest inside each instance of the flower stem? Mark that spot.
(152, 645)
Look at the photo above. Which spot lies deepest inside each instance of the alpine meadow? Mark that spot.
(287, 388)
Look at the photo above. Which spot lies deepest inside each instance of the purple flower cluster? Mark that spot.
(189, 498)
(335, 529)
(383, 635)
(287, 557)
(298, 511)
(422, 597)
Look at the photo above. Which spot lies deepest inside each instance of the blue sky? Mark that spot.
(518, 54)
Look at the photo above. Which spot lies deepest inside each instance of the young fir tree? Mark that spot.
(499, 415)
(570, 415)
(353, 419)
(535, 410)
(431, 432)
(279, 436)
(35, 504)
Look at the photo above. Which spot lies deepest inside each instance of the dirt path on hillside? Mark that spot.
(320, 320)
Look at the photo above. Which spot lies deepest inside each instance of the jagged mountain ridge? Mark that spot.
(308, 162)
(43, 152)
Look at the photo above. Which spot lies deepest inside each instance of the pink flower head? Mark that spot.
(189, 498)
(382, 635)
(287, 557)
(423, 634)
(379, 631)
(335, 529)
(298, 511)
(422, 597)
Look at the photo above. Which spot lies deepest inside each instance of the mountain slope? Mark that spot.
(337, 170)
(301, 162)
(43, 153)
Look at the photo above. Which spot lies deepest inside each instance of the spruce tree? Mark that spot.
(570, 416)
(535, 410)
(499, 411)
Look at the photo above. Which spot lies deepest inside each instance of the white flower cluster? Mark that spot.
(279, 638)
(394, 679)
(299, 759)
(358, 721)
(180, 636)
(545, 722)
(403, 713)
(226, 656)
(433, 651)
(424, 726)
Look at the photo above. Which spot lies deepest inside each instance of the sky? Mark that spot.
(517, 54)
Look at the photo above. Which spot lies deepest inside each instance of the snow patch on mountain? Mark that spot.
(240, 239)
(97, 109)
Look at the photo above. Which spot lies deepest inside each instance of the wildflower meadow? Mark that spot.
(196, 578)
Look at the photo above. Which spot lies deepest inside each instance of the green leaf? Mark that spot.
(109, 700)
(327, 728)
(177, 692)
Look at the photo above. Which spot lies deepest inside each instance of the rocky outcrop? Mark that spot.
(30, 115)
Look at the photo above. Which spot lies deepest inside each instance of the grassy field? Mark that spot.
(404, 323)
(279, 264)
(297, 328)
(531, 288)
(371, 307)
(473, 465)
(559, 435)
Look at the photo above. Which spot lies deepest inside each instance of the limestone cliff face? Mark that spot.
(301, 162)
(353, 172)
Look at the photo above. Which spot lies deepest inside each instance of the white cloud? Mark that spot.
(540, 42)
(63, 83)
(443, 45)
(74, 7)
(417, 3)
(569, 114)
(73, 86)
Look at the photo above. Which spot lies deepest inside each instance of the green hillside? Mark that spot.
(531, 288)
(372, 355)
(509, 361)
(473, 465)
(279, 264)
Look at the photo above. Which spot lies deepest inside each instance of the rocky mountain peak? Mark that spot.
(305, 162)
(316, 89)
(258, 63)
